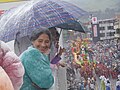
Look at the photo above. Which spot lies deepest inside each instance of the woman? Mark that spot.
(55, 56)
(108, 84)
(103, 87)
(12, 65)
(92, 85)
(118, 84)
(82, 86)
(56, 49)
(38, 74)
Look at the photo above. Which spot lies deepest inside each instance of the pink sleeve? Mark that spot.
(14, 68)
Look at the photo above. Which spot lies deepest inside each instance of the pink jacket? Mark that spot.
(12, 65)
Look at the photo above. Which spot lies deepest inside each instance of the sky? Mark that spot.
(88, 5)
(94, 5)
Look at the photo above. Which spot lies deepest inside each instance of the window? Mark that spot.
(102, 28)
(102, 34)
(111, 33)
(118, 31)
(110, 27)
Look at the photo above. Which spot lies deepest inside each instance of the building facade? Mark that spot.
(106, 29)
(102, 30)
(117, 27)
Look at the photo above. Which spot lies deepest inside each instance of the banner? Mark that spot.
(95, 30)
(2, 1)
(94, 20)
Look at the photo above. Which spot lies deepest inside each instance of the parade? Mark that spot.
(91, 69)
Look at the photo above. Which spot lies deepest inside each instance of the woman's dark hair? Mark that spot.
(36, 33)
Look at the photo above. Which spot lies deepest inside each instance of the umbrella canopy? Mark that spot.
(36, 14)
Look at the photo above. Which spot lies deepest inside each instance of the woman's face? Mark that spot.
(42, 43)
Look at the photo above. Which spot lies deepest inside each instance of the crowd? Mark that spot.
(93, 60)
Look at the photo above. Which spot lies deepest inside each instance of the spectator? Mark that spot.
(38, 74)
(12, 65)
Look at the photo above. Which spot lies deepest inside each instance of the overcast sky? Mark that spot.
(88, 5)
(93, 5)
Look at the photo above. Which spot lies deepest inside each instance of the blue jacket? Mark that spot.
(37, 69)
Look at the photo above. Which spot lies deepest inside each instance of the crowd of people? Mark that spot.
(93, 60)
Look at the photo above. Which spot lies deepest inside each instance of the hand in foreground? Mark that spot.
(61, 50)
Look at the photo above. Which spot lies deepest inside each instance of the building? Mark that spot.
(106, 29)
(117, 27)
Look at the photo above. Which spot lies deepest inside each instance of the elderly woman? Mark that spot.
(38, 74)
(11, 64)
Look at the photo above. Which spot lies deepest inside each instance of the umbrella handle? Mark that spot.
(61, 31)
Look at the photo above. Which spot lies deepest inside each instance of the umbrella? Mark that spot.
(36, 14)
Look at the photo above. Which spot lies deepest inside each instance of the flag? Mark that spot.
(94, 20)
(95, 30)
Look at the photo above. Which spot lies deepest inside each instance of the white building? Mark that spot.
(106, 28)
(117, 27)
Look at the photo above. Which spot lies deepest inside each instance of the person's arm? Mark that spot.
(12, 65)
(57, 58)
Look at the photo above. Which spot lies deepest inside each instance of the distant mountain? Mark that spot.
(95, 5)
(108, 13)
(105, 9)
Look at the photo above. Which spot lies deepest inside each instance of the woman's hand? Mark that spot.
(61, 50)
